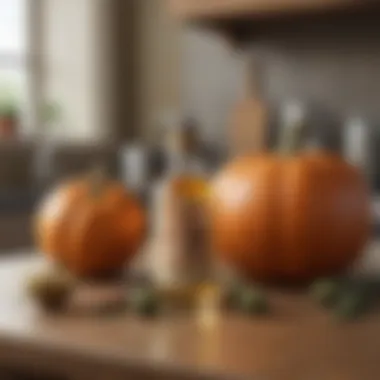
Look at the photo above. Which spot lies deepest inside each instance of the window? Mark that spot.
(14, 69)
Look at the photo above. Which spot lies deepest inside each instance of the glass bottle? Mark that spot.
(357, 140)
(178, 254)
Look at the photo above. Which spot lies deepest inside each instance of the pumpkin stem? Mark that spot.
(97, 179)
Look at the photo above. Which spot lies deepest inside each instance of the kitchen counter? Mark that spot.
(299, 341)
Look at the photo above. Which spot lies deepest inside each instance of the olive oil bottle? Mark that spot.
(178, 250)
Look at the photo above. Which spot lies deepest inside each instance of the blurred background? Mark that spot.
(96, 81)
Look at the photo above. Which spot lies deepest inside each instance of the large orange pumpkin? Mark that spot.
(289, 218)
(91, 228)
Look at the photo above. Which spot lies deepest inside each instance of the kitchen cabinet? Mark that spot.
(214, 9)
(237, 16)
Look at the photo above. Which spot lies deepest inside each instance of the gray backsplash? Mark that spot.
(332, 65)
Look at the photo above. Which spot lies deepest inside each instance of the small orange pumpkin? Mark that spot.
(292, 217)
(91, 227)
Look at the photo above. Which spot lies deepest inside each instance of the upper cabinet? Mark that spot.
(238, 16)
(227, 9)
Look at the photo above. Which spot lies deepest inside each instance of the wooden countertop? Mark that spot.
(299, 341)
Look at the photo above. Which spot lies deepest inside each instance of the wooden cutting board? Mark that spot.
(249, 119)
(249, 127)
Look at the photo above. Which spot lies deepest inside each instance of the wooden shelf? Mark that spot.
(227, 9)
(236, 16)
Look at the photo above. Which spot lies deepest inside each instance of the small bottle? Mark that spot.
(178, 254)
(293, 120)
(357, 143)
(133, 165)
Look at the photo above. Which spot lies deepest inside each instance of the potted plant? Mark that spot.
(9, 118)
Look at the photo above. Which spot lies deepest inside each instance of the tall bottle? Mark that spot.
(357, 144)
(178, 255)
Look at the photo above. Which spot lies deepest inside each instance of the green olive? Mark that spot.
(326, 291)
(352, 304)
(232, 295)
(253, 301)
(51, 290)
(144, 302)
